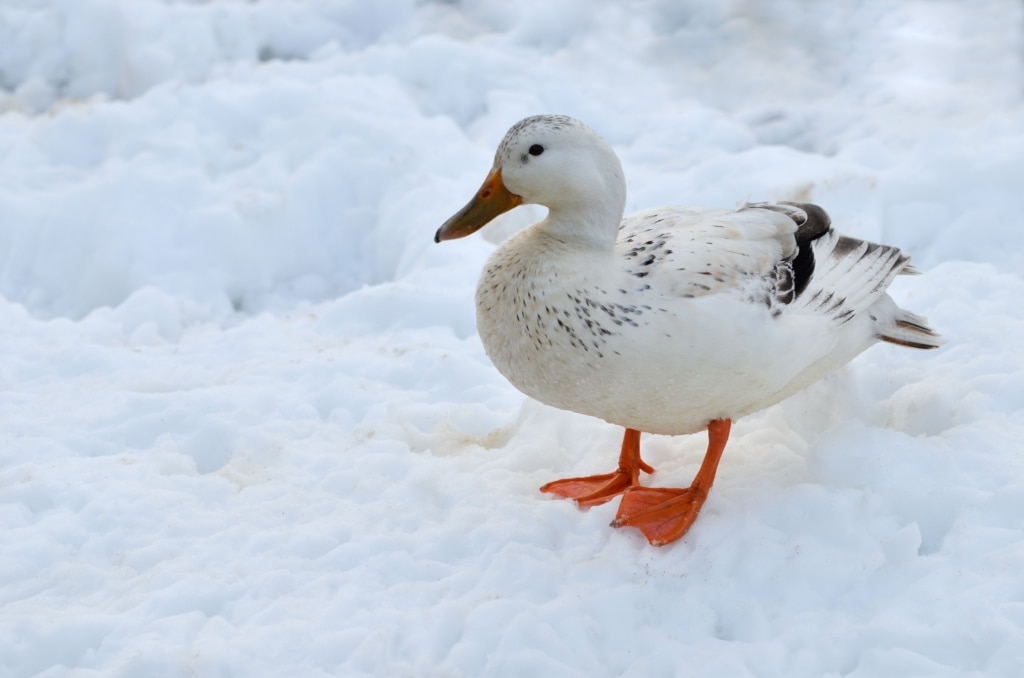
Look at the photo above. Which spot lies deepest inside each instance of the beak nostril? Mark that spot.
(484, 194)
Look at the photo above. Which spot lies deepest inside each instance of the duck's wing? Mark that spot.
(783, 255)
(758, 251)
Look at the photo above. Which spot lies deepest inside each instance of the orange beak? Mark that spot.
(491, 200)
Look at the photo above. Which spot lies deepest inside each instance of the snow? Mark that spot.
(246, 425)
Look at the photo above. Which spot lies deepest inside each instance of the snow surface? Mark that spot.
(247, 428)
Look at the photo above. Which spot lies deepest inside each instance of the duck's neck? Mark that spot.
(591, 222)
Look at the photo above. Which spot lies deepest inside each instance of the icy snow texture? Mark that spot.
(246, 427)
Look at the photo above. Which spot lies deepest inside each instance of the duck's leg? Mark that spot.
(594, 490)
(665, 514)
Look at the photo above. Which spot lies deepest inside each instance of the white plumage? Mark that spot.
(674, 317)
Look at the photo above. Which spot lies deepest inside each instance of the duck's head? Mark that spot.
(557, 162)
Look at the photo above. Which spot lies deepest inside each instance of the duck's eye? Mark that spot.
(536, 149)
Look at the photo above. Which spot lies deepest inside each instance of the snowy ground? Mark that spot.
(247, 428)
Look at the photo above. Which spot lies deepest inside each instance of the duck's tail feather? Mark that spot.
(911, 330)
(850, 277)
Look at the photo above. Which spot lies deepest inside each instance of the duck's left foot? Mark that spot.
(663, 514)
(593, 490)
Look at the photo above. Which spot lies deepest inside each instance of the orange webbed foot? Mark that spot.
(590, 490)
(663, 514)
(593, 490)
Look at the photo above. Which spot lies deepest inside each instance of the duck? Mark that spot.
(672, 320)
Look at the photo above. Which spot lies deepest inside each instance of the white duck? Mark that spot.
(672, 320)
